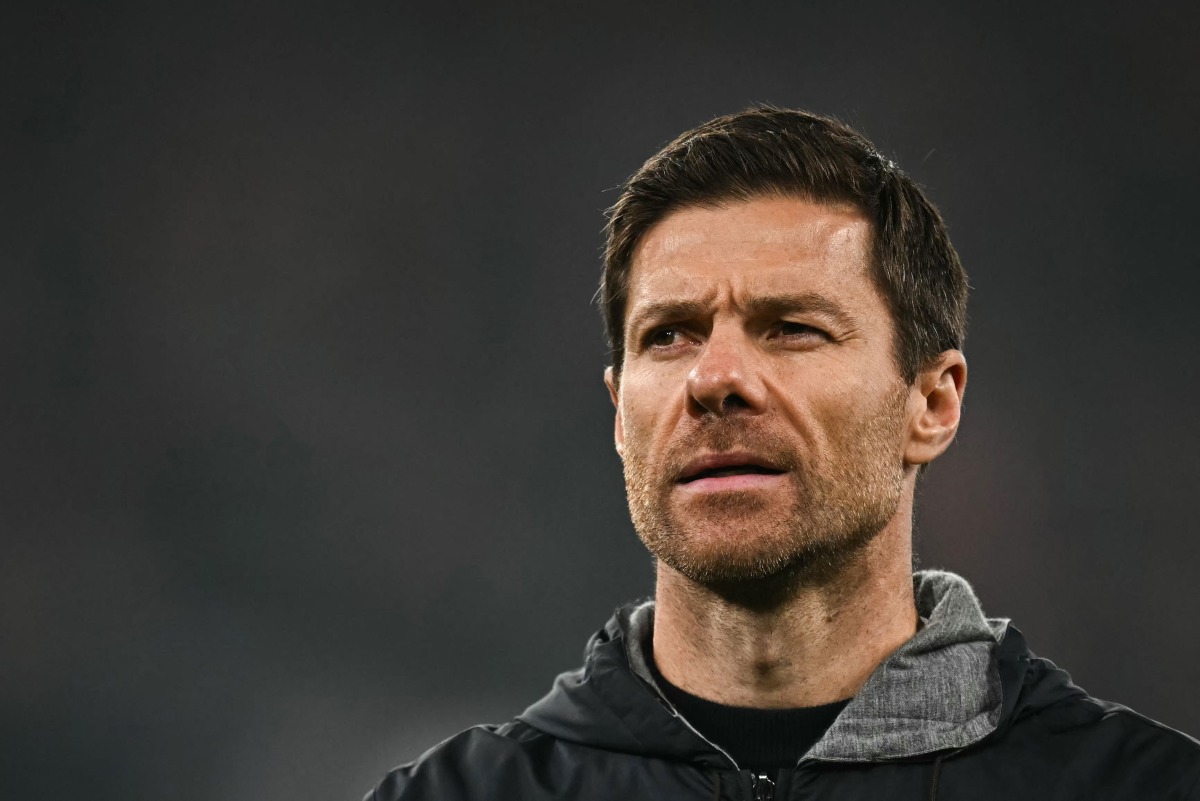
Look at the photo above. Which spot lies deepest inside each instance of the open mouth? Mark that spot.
(730, 470)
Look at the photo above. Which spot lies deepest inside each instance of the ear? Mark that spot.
(610, 381)
(935, 408)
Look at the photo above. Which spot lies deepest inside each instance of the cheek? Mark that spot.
(647, 411)
(809, 397)
(639, 422)
(825, 405)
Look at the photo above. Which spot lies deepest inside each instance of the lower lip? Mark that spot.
(743, 481)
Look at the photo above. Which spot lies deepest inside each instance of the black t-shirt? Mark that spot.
(760, 740)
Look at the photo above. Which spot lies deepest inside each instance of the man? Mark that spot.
(786, 316)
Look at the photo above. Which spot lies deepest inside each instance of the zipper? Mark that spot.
(675, 713)
(763, 787)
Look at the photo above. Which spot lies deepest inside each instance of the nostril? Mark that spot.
(733, 401)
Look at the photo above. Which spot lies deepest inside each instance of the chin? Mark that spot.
(727, 551)
(756, 559)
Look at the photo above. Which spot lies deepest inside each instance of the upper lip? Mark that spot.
(716, 461)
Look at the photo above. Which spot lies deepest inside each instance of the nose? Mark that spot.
(725, 378)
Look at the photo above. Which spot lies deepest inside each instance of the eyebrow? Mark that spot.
(665, 310)
(810, 302)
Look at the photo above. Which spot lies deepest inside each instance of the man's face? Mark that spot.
(761, 416)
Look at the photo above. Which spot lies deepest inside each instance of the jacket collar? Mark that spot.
(940, 690)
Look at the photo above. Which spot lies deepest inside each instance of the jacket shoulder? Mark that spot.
(1125, 754)
(1139, 733)
(1115, 721)
(467, 766)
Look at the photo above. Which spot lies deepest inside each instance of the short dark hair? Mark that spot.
(768, 151)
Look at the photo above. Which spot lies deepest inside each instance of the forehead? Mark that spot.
(744, 248)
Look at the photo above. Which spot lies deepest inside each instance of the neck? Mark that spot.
(813, 644)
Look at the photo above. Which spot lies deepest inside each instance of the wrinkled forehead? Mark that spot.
(762, 246)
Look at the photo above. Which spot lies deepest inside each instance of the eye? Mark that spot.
(663, 337)
(793, 330)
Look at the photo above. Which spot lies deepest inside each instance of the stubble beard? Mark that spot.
(747, 543)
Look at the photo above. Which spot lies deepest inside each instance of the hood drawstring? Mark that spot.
(716, 786)
(937, 769)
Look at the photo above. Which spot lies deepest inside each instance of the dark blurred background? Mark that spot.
(306, 460)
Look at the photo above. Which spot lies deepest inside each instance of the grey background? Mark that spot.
(306, 459)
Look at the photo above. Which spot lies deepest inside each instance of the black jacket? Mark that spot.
(962, 711)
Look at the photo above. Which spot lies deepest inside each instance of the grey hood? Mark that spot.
(940, 690)
(944, 689)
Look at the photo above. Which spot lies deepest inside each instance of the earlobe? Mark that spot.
(610, 381)
(939, 395)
